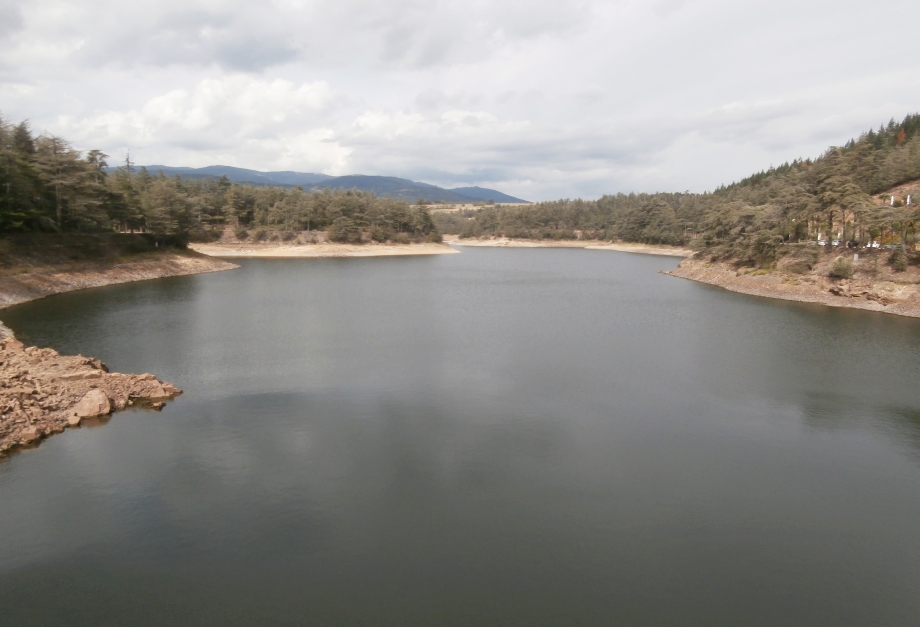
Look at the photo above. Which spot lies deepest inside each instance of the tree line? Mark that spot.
(48, 186)
(836, 197)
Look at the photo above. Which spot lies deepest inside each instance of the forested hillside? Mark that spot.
(834, 197)
(47, 186)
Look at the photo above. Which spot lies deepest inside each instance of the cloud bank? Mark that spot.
(540, 99)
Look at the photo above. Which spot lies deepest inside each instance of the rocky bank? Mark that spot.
(886, 292)
(43, 392)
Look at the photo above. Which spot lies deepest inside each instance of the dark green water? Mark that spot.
(500, 437)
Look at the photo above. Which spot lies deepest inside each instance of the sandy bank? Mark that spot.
(503, 242)
(892, 297)
(22, 288)
(43, 393)
(320, 250)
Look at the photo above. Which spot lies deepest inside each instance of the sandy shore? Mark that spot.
(320, 250)
(503, 242)
(902, 299)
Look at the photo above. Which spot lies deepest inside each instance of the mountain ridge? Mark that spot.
(387, 186)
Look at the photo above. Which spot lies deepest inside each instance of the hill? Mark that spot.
(864, 192)
(393, 187)
(482, 193)
(387, 186)
(242, 175)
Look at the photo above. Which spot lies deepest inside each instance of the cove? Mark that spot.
(498, 437)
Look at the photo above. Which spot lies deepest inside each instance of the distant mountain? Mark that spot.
(482, 193)
(242, 175)
(387, 186)
(393, 187)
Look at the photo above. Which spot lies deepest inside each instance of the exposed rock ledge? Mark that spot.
(901, 299)
(43, 393)
(22, 288)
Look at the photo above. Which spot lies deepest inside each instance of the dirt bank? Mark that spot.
(503, 242)
(21, 288)
(893, 294)
(324, 249)
(42, 393)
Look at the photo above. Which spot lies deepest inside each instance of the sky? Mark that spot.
(540, 99)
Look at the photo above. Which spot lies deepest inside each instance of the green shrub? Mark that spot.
(435, 238)
(898, 260)
(401, 238)
(241, 233)
(378, 234)
(344, 230)
(260, 235)
(843, 269)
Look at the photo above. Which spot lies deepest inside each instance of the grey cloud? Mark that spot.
(10, 17)
(540, 99)
(249, 36)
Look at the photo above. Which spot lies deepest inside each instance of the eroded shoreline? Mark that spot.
(901, 299)
(22, 288)
(42, 392)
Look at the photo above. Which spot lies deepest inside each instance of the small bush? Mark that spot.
(241, 233)
(401, 238)
(843, 269)
(435, 238)
(378, 234)
(287, 236)
(260, 235)
(898, 260)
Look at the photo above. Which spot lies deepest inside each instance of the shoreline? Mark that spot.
(22, 288)
(320, 250)
(43, 393)
(900, 299)
(504, 242)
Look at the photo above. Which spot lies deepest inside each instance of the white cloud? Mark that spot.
(537, 98)
(238, 119)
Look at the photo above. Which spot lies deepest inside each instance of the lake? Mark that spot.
(502, 437)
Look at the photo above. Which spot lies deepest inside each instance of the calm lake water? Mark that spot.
(501, 437)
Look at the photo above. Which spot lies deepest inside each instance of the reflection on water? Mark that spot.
(514, 437)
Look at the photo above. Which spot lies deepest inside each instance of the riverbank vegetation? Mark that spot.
(46, 186)
(862, 193)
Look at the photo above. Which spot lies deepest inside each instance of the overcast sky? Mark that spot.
(539, 99)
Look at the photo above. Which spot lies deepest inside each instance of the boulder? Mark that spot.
(30, 434)
(94, 403)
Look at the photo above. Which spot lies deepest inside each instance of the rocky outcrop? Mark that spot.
(43, 392)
